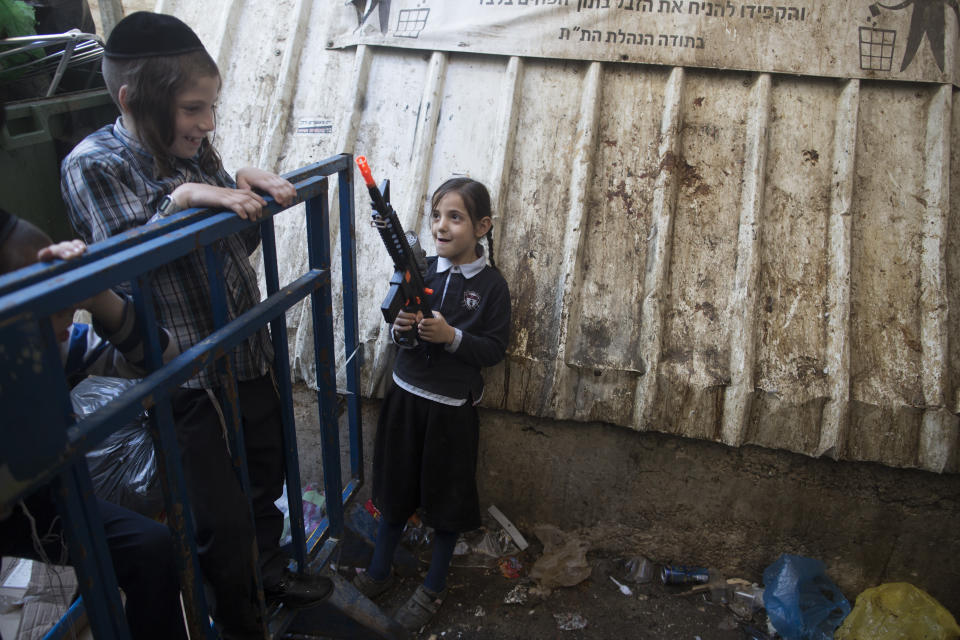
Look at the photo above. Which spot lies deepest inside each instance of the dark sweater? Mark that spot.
(479, 307)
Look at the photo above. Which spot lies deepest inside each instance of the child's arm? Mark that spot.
(114, 316)
(127, 356)
(244, 202)
(122, 354)
(100, 202)
(106, 307)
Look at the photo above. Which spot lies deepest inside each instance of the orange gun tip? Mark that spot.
(365, 171)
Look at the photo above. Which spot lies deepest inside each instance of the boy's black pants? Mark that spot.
(225, 534)
(142, 554)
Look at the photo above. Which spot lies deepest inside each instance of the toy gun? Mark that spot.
(407, 289)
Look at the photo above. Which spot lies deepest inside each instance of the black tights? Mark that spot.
(388, 536)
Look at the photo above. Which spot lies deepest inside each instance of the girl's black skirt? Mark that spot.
(425, 456)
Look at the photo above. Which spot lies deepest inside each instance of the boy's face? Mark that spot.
(194, 115)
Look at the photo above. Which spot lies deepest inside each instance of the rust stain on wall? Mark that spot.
(688, 175)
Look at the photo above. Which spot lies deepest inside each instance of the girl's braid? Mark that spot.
(489, 237)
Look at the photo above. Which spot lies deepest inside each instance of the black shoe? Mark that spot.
(299, 590)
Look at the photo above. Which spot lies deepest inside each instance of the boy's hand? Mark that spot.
(62, 251)
(281, 190)
(436, 329)
(244, 202)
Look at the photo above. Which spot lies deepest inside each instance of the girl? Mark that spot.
(156, 159)
(425, 454)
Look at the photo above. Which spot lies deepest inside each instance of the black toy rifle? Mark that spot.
(407, 289)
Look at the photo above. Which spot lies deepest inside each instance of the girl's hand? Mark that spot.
(406, 321)
(281, 190)
(244, 202)
(62, 251)
(436, 329)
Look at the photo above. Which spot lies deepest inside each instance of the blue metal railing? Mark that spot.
(41, 443)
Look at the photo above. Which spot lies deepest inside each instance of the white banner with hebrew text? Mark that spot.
(913, 40)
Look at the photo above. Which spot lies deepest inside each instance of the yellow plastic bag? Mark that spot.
(898, 611)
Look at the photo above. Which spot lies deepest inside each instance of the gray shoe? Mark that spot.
(418, 610)
(372, 588)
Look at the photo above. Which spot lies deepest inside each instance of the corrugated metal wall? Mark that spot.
(730, 256)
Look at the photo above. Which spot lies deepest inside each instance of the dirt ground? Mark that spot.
(492, 603)
(476, 608)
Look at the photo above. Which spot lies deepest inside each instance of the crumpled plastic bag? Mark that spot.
(563, 562)
(801, 601)
(898, 611)
(313, 502)
(484, 548)
(123, 467)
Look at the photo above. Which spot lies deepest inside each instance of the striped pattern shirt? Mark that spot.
(109, 185)
(121, 355)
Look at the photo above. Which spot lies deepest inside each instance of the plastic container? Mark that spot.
(745, 601)
(640, 570)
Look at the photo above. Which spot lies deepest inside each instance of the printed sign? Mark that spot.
(914, 40)
(314, 125)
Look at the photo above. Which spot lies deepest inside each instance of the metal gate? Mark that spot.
(41, 442)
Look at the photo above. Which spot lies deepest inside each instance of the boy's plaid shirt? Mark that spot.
(108, 185)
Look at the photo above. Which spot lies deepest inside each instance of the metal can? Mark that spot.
(679, 574)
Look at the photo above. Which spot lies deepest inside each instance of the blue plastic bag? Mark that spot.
(801, 601)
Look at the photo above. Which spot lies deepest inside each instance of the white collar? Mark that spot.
(468, 270)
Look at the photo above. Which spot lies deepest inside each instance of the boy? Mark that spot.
(141, 549)
(154, 160)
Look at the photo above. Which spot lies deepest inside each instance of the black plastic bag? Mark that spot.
(124, 466)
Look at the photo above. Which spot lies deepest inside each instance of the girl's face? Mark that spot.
(194, 115)
(454, 233)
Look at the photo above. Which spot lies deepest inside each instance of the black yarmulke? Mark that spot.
(144, 34)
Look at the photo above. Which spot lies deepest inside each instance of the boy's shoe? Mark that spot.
(418, 610)
(299, 590)
(372, 588)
